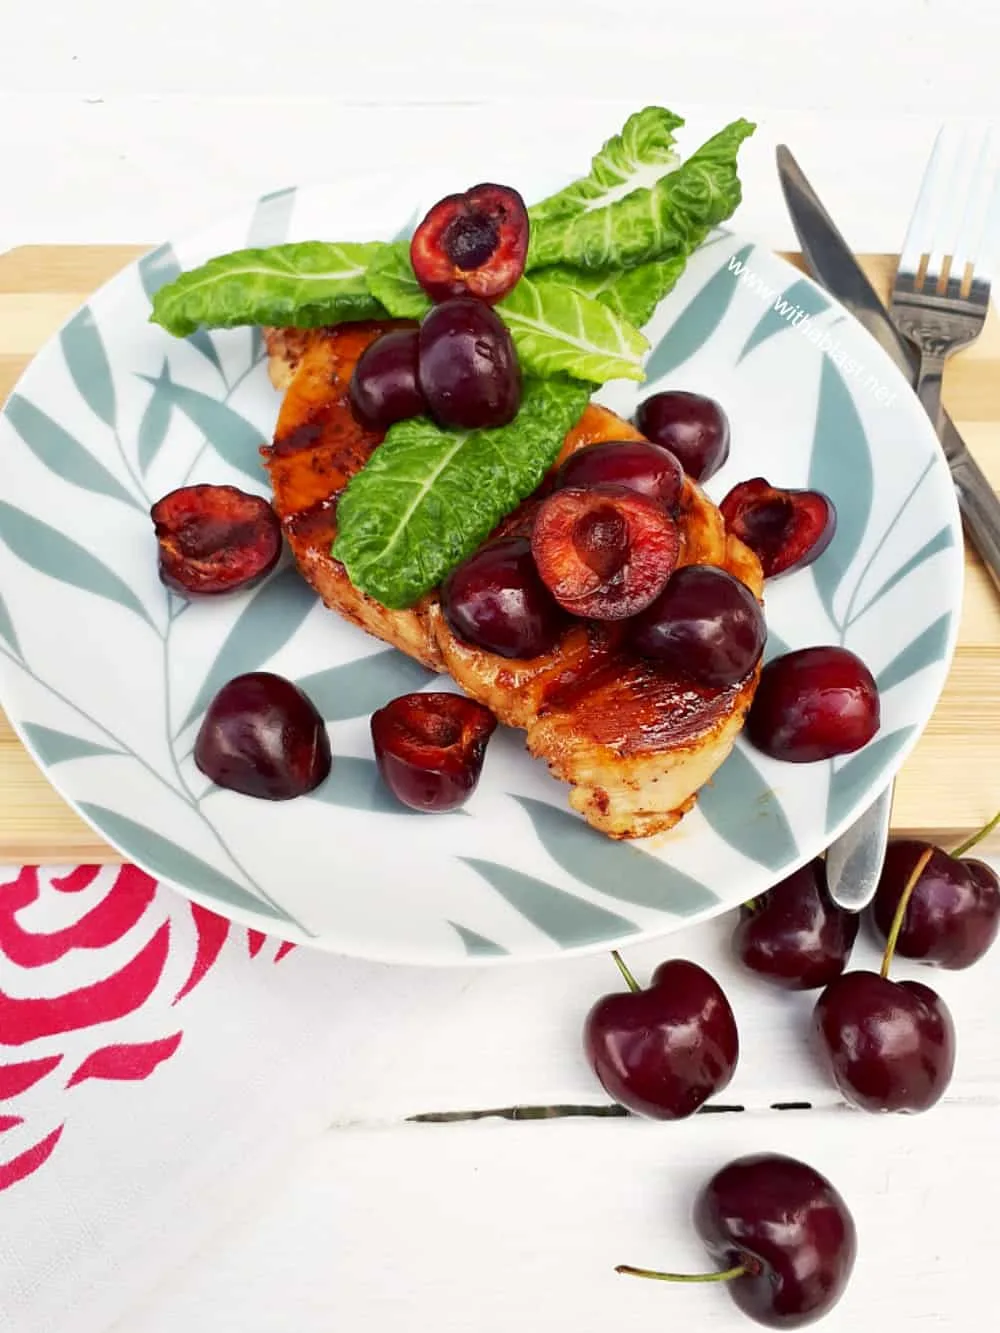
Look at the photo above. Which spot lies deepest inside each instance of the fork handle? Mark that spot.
(928, 386)
(980, 511)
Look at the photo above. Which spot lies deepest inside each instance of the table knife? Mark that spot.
(854, 860)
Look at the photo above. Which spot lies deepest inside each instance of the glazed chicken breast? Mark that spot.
(634, 740)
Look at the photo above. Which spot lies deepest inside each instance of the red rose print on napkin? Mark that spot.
(129, 934)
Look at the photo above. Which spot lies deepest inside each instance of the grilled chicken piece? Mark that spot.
(634, 741)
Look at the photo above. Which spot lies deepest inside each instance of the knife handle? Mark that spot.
(980, 511)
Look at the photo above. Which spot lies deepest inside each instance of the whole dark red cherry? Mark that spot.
(786, 530)
(497, 601)
(214, 539)
(468, 369)
(812, 704)
(663, 1051)
(384, 386)
(472, 244)
(782, 1234)
(705, 624)
(694, 428)
(889, 1045)
(604, 552)
(262, 736)
(795, 934)
(430, 748)
(635, 464)
(953, 914)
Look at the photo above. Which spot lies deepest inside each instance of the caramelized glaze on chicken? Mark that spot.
(634, 741)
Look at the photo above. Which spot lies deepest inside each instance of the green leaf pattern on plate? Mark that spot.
(929, 646)
(55, 747)
(158, 268)
(50, 552)
(233, 438)
(569, 920)
(801, 296)
(476, 945)
(354, 784)
(87, 362)
(696, 323)
(270, 617)
(155, 420)
(61, 452)
(745, 811)
(7, 631)
(356, 689)
(855, 774)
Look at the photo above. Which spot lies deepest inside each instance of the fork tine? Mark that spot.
(924, 210)
(974, 231)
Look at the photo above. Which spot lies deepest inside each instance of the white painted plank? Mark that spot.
(893, 56)
(138, 169)
(492, 1227)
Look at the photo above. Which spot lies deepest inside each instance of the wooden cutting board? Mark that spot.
(949, 787)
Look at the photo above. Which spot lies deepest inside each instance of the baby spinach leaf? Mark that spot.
(636, 157)
(392, 281)
(673, 216)
(305, 284)
(428, 496)
(632, 293)
(557, 329)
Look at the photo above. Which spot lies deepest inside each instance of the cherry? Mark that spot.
(812, 704)
(605, 552)
(467, 366)
(635, 464)
(784, 1235)
(694, 428)
(472, 244)
(953, 914)
(214, 539)
(662, 1052)
(384, 387)
(786, 530)
(705, 624)
(430, 748)
(795, 935)
(262, 736)
(890, 1046)
(496, 600)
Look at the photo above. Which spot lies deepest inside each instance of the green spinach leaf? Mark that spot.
(557, 329)
(670, 218)
(306, 284)
(632, 293)
(393, 283)
(428, 497)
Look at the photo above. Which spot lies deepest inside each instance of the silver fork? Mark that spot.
(942, 290)
(939, 302)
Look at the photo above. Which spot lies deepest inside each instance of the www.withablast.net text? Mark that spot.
(805, 323)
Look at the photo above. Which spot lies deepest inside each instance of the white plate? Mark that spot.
(105, 677)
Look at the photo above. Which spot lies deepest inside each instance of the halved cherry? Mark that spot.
(472, 244)
(430, 748)
(785, 529)
(605, 552)
(214, 539)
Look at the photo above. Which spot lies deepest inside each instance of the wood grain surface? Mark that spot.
(949, 785)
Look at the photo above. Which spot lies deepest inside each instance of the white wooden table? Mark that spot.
(489, 1225)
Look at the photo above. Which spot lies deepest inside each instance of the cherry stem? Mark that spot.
(729, 1275)
(630, 980)
(984, 832)
(902, 905)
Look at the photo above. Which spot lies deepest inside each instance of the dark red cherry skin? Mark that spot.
(889, 1045)
(384, 386)
(795, 935)
(430, 748)
(953, 914)
(604, 552)
(262, 736)
(497, 601)
(468, 369)
(812, 704)
(706, 625)
(635, 464)
(792, 1230)
(694, 428)
(786, 530)
(214, 539)
(662, 1052)
(472, 244)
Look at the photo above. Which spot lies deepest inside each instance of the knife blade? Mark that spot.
(834, 266)
(854, 860)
